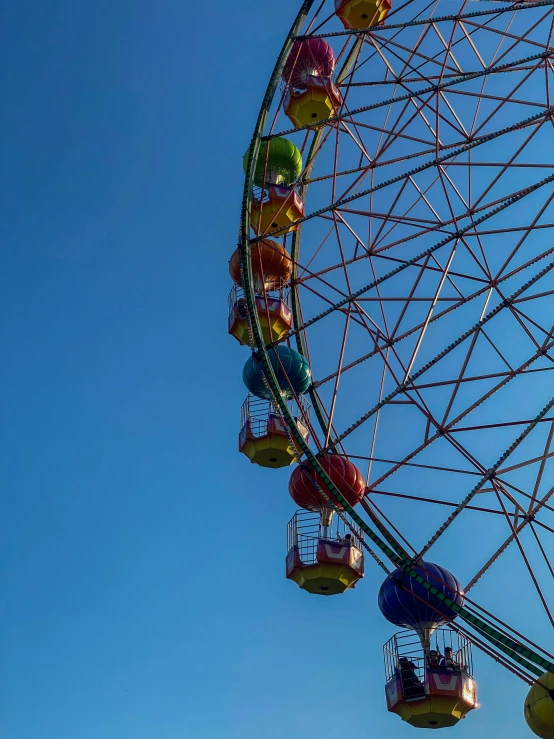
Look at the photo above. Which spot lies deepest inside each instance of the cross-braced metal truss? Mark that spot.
(423, 283)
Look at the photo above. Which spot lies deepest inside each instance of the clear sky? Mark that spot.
(142, 562)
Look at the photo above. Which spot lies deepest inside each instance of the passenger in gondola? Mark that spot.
(242, 308)
(411, 685)
(407, 668)
(348, 539)
(448, 660)
(433, 660)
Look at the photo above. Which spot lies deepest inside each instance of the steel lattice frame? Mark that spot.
(423, 283)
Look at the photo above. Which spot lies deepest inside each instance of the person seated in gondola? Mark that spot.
(433, 659)
(448, 660)
(411, 685)
(407, 669)
(242, 308)
(348, 539)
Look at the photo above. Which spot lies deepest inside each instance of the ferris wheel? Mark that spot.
(394, 279)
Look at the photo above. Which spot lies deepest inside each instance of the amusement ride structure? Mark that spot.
(394, 281)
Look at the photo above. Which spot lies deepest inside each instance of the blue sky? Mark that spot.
(142, 567)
